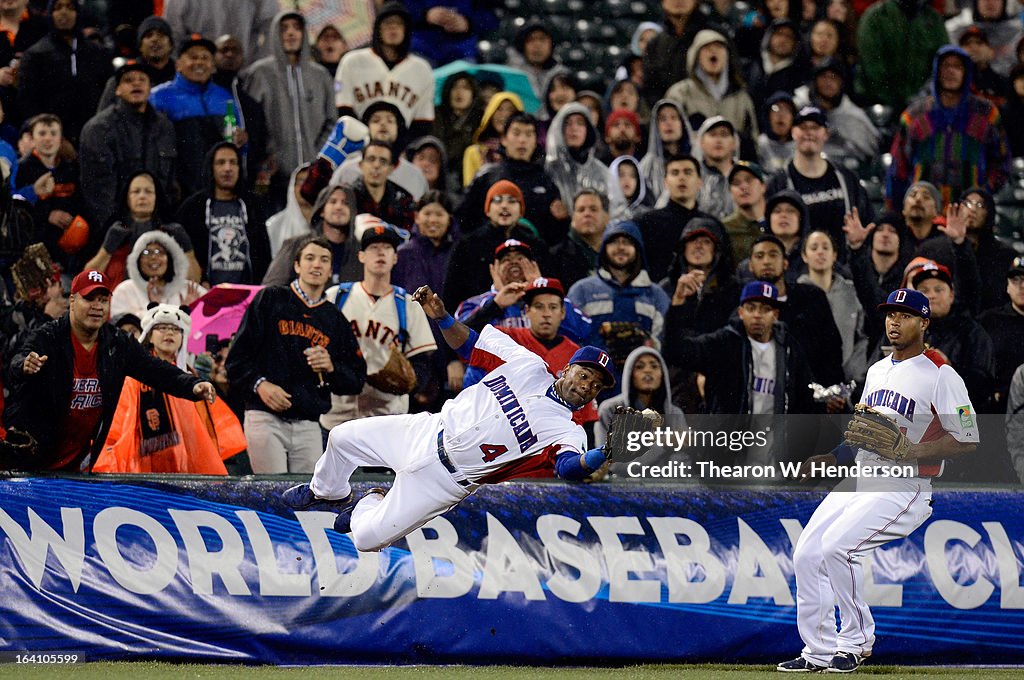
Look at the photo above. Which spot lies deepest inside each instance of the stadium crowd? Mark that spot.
(703, 213)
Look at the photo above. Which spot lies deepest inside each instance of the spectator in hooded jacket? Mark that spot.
(664, 62)
(333, 217)
(950, 138)
(876, 262)
(775, 144)
(227, 223)
(456, 118)
(779, 67)
(1013, 111)
(387, 67)
(63, 73)
(196, 107)
(533, 51)
(747, 221)
(428, 155)
(485, 148)
(993, 256)
(717, 149)
(128, 136)
(626, 308)
(703, 293)
(157, 273)
(1002, 30)
(520, 161)
(669, 135)
(626, 171)
(296, 94)
(714, 86)
(570, 157)
(851, 134)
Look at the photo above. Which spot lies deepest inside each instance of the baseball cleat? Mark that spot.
(343, 522)
(301, 497)
(800, 665)
(845, 662)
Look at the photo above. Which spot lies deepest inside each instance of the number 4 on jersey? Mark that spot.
(492, 451)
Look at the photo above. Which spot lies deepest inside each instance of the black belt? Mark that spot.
(447, 462)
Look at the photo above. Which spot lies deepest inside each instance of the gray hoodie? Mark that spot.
(572, 171)
(298, 100)
(653, 162)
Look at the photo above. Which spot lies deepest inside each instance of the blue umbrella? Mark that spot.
(515, 80)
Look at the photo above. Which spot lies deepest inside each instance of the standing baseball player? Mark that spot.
(516, 420)
(915, 411)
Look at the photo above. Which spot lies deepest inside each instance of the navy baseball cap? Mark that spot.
(907, 300)
(1016, 268)
(762, 291)
(595, 358)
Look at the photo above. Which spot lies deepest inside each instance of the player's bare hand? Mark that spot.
(456, 373)
(274, 396)
(205, 390)
(804, 475)
(956, 223)
(430, 302)
(687, 285)
(856, 233)
(510, 294)
(835, 404)
(33, 363)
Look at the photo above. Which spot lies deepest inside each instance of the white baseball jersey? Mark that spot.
(375, 325)
(364, 78)
(511, 422)
(927, 398)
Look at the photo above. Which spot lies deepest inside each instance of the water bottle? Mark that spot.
(230, 122)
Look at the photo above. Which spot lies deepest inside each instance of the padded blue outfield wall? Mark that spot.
(519, 573)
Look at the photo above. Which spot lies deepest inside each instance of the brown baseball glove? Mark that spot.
(876, 432)
(396, 377)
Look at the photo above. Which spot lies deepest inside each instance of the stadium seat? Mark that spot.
(492, 51)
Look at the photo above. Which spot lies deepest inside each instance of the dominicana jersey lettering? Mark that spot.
(926, 397)
(511, 422)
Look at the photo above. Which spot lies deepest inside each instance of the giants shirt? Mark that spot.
(927, 398)
(363, 78)
(511, 423)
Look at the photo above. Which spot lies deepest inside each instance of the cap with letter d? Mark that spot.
(907, 300)
(596, 358)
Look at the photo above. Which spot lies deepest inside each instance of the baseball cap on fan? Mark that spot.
(597, 359)
(542, 285)
(88, 282)
(907, 300)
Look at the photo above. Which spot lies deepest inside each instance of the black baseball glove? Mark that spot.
(626, 420)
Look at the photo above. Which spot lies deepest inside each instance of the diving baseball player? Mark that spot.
(516, 419)
(915, 411)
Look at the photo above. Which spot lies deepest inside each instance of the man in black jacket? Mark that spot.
(121, 140)
(522, 163)
(1005, 325)
(66, 378)
(226, 223)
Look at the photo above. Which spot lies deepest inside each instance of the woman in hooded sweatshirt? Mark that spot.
(487, 137)
(157, 269)
(645, 385)
(294, 219)
(457, 117)
(626, 171)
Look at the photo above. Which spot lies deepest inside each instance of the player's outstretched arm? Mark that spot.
(459, 337)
